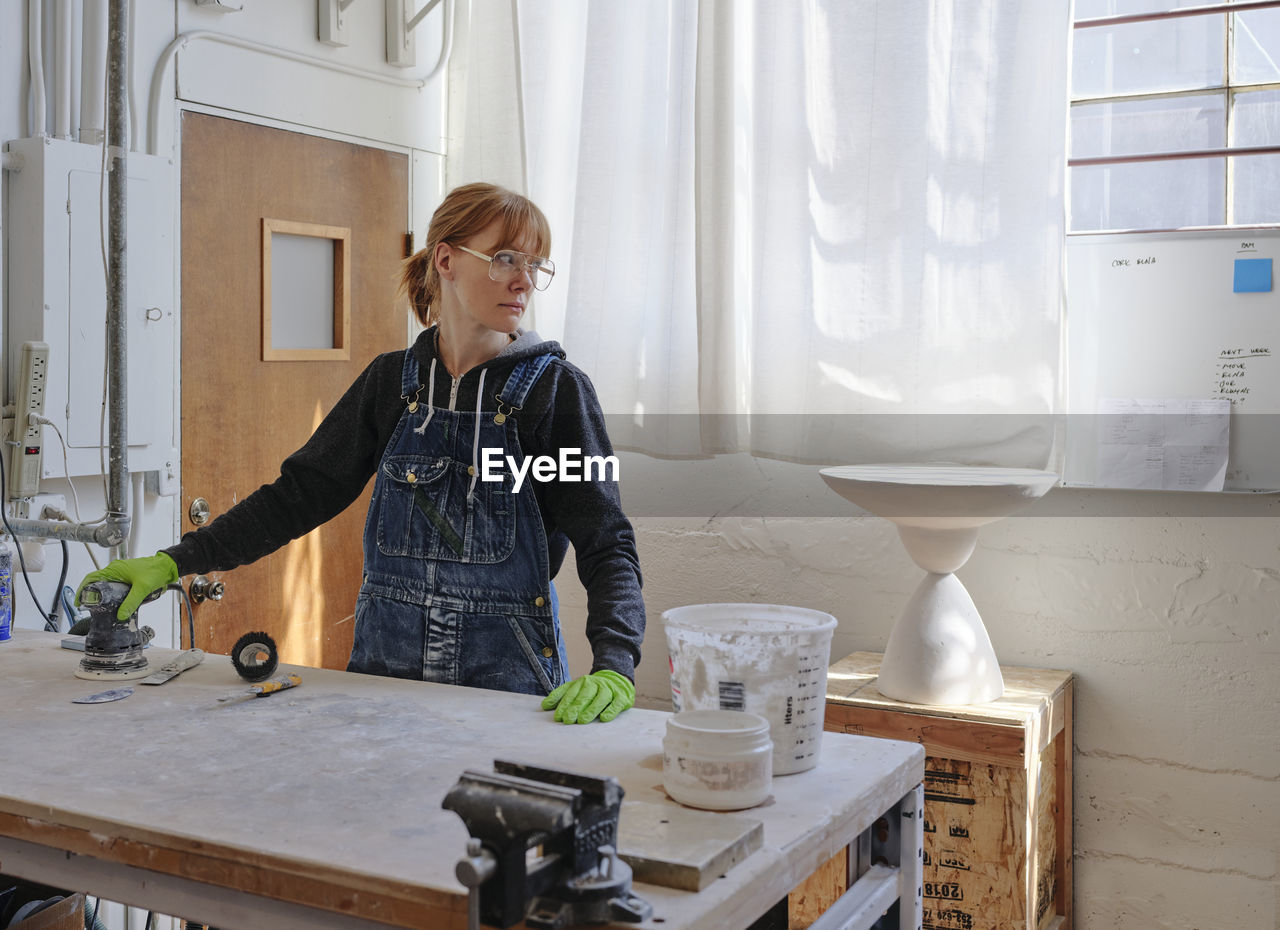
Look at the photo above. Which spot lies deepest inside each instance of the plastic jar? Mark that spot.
(720, 760)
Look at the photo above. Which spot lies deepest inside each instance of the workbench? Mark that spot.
(320, 806)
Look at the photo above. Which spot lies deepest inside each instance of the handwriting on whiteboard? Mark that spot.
(1231, 372)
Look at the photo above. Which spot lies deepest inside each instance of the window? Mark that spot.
(1175, 115)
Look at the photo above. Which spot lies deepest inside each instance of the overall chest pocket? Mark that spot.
(425, 512)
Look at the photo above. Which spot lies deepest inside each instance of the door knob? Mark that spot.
(203, 589)
(199, 511)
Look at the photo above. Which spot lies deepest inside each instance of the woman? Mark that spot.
(459, 553)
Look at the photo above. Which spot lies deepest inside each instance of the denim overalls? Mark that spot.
(456, 577)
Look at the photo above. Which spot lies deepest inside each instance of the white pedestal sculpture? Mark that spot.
(939, 651)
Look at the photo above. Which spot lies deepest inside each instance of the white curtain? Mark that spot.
(833, 231)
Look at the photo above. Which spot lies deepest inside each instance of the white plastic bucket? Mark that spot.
(764, 659)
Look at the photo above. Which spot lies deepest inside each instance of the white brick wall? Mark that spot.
(1171, 624)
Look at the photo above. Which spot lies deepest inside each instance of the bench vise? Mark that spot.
(571, 820)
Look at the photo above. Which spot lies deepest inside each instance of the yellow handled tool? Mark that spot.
(270, 686)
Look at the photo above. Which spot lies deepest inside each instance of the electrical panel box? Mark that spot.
(57, 229)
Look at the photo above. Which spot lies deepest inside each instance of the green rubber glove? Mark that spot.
(603, 694)
(145, 575)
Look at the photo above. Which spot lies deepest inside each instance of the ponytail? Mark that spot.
(420, 285)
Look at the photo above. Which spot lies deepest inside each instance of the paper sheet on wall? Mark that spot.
(1163, 444)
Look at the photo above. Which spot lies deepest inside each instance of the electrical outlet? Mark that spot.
(24, 472)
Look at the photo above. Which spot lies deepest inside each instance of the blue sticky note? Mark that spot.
(1252, 275)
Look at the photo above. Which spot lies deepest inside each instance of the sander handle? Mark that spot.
(106, 596)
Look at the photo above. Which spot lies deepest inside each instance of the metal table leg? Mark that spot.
(886, 868)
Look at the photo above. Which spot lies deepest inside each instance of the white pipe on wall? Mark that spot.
(93, 70)
(76, 58)
(35, 59)
(186, 38)
(138, 483)
(62, 69)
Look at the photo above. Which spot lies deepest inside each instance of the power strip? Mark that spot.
(24, 473)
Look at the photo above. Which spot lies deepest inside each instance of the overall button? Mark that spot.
(410, 477)
(547, 652)
(540, 602)
(471, 470)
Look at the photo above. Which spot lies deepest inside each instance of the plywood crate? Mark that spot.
(67, 914)
(997, 789)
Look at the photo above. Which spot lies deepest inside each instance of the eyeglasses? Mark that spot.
(504, 266)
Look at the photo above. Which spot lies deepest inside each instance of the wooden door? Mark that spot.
(242, 416)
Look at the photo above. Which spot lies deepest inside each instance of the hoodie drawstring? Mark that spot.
(475, 437)
(431, 396)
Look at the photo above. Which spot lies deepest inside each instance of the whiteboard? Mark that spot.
(1159, 315)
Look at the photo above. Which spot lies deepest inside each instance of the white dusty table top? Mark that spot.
(329, 794)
